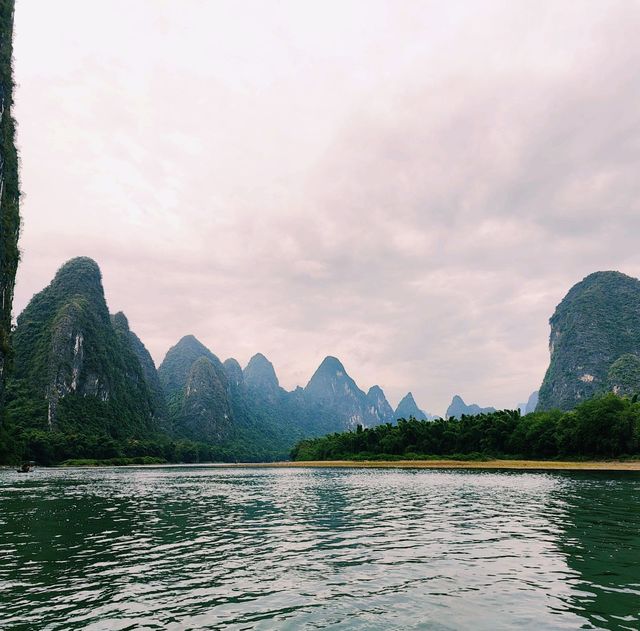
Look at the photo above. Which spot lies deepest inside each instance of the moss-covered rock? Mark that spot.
(623, 377)
(73, 370)
(596, 324)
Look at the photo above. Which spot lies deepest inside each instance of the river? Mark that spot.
(206, 547)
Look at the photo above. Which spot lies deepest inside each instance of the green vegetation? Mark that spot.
(84, 388)
(52, 447)
(596, 324)
(112, 462)
(73, 372)
(9, 194)
(624, 375)
(604, 427)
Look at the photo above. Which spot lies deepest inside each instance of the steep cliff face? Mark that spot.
(458, 407)
(408, 408)
(198, 392)
(132, 341)
(378, 407)
(530, 405)
(332, 397)
(9, 193)
(205, 413)
(596, 323)
(72, 366)
(261, 380)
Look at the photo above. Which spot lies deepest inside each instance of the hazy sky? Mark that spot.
(410, 186)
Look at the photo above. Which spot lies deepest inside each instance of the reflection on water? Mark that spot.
(250, 548)
(600, 540)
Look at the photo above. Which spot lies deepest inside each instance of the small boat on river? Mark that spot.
(26, 467)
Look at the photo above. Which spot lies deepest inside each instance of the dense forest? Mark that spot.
(50, 447)
(607, 426)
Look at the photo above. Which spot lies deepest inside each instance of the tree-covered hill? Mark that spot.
(73, 371)
(595, 325)
(130, 339)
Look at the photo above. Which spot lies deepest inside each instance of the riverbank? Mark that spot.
(514, 465)
(519, 465)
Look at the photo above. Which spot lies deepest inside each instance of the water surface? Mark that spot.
(252, 548)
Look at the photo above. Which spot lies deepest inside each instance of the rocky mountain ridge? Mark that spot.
(79, 369)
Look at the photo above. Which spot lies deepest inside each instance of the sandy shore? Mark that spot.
(539, 465)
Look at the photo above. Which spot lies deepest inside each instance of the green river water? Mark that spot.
(206, 547)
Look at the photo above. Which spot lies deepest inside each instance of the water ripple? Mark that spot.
(250, 548)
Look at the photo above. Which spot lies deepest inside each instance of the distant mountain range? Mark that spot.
(530, 405)
(458, 408)
(81, 371)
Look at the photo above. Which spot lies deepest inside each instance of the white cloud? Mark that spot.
(409, 186)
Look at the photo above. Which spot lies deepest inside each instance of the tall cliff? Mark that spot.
(73, 371)
(198, 391)
(378, 407)
(9, 193)
(131, 340)
(333, 399)
(261, 381)
(530, 405)
(408, 408)
(595, 325)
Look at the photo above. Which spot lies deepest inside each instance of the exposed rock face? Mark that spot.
(261, 380)
(378, 406)
(334, 397)
(596, 323)
(530, 405)
(623, 376)
(205, 413)
(9, 193)
(458, 407)
(408, 408)
(68, 351)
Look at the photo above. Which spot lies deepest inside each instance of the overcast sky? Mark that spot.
(410, 186)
